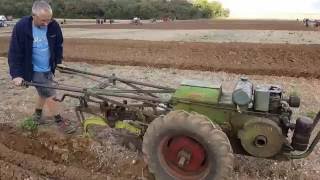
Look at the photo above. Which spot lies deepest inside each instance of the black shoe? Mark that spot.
(36, 117)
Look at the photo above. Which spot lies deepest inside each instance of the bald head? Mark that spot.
(41, 13)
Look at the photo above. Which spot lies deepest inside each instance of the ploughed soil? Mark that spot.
(47, 154)
(246, 58)
(204, 24)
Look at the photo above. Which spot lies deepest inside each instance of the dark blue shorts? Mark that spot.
(45, 78)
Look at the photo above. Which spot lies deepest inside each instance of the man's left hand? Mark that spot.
(62, 66)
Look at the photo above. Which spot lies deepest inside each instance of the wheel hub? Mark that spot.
(184, 155)
(184, 158)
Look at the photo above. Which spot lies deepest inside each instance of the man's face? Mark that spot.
(42, 19)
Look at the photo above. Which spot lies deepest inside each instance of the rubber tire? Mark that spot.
(214, 140)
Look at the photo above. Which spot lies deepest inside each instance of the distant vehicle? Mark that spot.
(136, 21)
(9, 18)
(311, 22)
(3, 20)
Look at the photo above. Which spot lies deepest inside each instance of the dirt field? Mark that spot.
(214, 36)
(246, 58)
(49, 154)
(206, 24)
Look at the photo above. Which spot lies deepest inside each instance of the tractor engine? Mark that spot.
(263, 98)
(268, 115)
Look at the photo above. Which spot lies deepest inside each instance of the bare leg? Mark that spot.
(40, 102)
(52, 106)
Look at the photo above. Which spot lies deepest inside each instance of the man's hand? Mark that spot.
(17, 81)
(62, 66)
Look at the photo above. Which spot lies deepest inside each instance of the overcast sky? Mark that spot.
(247, 7)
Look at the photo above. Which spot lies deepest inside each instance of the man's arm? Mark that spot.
(15, 57)
(59, 47)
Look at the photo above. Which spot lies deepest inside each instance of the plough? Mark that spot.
(192, 132)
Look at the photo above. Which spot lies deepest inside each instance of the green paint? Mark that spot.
(92, 121)
(127, 126)
(216, 115)
(102, 122)
(197, 96)
(204, 94)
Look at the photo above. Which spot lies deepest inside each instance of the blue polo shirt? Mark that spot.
(40, 49)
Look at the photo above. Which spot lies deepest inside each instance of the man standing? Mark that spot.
(36, 49)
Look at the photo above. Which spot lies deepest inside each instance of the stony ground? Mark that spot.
(110, 157)
(199, 24)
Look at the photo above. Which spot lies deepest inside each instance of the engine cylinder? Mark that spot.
(302, 133)
(242, 94)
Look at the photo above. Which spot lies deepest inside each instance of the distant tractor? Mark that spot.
(136, 21)
(308, 22)
(193, 133)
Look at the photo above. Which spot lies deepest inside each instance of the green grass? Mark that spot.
(29, 124)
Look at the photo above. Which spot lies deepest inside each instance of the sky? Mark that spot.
(271, 8)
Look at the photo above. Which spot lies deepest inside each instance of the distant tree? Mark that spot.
(15, 7)
(216, 9)
(211, 9)
(124, 9)
(59, 8)
(226, 13)
(204, 7)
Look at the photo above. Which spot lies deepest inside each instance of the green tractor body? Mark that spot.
(256, 119)
(205, 125)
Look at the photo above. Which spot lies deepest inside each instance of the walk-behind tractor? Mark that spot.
(192, 132)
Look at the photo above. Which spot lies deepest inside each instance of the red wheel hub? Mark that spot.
(184, 155)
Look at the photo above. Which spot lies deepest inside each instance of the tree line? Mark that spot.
(120, 9)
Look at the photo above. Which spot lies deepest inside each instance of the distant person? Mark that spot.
(36, 49)
(306, 22)
(2, 23)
